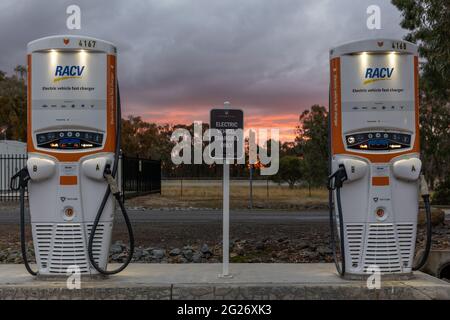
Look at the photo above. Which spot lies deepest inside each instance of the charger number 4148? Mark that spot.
(399, 45)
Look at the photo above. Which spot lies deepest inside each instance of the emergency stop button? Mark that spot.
(69, 213)
(381, 214)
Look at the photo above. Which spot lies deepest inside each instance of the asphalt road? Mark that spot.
(244, 216)
(11, 215)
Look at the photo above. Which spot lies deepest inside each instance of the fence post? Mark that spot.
(251, 185)
(181, 193)
(159, 177)
(138, 177)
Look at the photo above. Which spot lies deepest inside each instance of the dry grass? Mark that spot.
(208, 194)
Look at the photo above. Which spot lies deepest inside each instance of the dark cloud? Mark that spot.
(269, 56)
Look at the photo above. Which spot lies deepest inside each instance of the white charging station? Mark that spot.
(374, 139)
(72, 123)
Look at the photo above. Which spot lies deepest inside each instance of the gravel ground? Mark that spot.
(181, 243)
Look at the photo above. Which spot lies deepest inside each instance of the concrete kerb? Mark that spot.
(437, 261)
(200, 281)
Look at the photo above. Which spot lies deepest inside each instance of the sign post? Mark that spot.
(226, 119)
(226, 219)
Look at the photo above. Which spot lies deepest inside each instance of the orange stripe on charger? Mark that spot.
(29, 136)
(380, 181)
(111, 99)
(335, 105)
(68, 180)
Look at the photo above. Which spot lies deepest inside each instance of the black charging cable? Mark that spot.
(110, 174)
(19, 182)
(335, 182)
(426, 200)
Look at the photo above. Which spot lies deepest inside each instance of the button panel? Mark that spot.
(62, 140)
(374, 141)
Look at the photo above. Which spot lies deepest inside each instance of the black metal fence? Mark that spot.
(9, 165)
(138, 176)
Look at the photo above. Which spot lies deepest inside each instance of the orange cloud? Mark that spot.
(285, 122)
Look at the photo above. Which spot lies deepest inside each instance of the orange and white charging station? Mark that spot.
(73, 141)
(375, 156)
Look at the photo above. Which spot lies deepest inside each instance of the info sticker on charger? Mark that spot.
(380, 170)
(68, 169)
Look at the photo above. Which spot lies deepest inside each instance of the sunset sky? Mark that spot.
(177, 58)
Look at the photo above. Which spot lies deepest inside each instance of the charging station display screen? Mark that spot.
(378, 141)
(69, 140)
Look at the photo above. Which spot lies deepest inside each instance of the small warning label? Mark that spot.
(68, 169)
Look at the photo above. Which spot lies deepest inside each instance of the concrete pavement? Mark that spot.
(201, 281)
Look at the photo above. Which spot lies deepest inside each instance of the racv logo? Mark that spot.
(68, 72)
(377, 74)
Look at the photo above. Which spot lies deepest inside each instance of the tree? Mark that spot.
(129, 138)
(290, 170)
(21, 72)
(288, 149)
(147, 140)
(13, 105)
(429, 24)
(442, 193)
(435, 141)
(312, 143)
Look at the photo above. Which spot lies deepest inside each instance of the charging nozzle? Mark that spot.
(111, 181)
(20, 179)
(336, 180)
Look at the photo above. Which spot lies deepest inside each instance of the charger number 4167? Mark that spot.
(87, 43)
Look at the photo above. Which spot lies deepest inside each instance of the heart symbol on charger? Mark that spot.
(66, 41)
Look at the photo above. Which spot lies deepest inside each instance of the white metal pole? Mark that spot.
(226, 212)
(226, 219)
